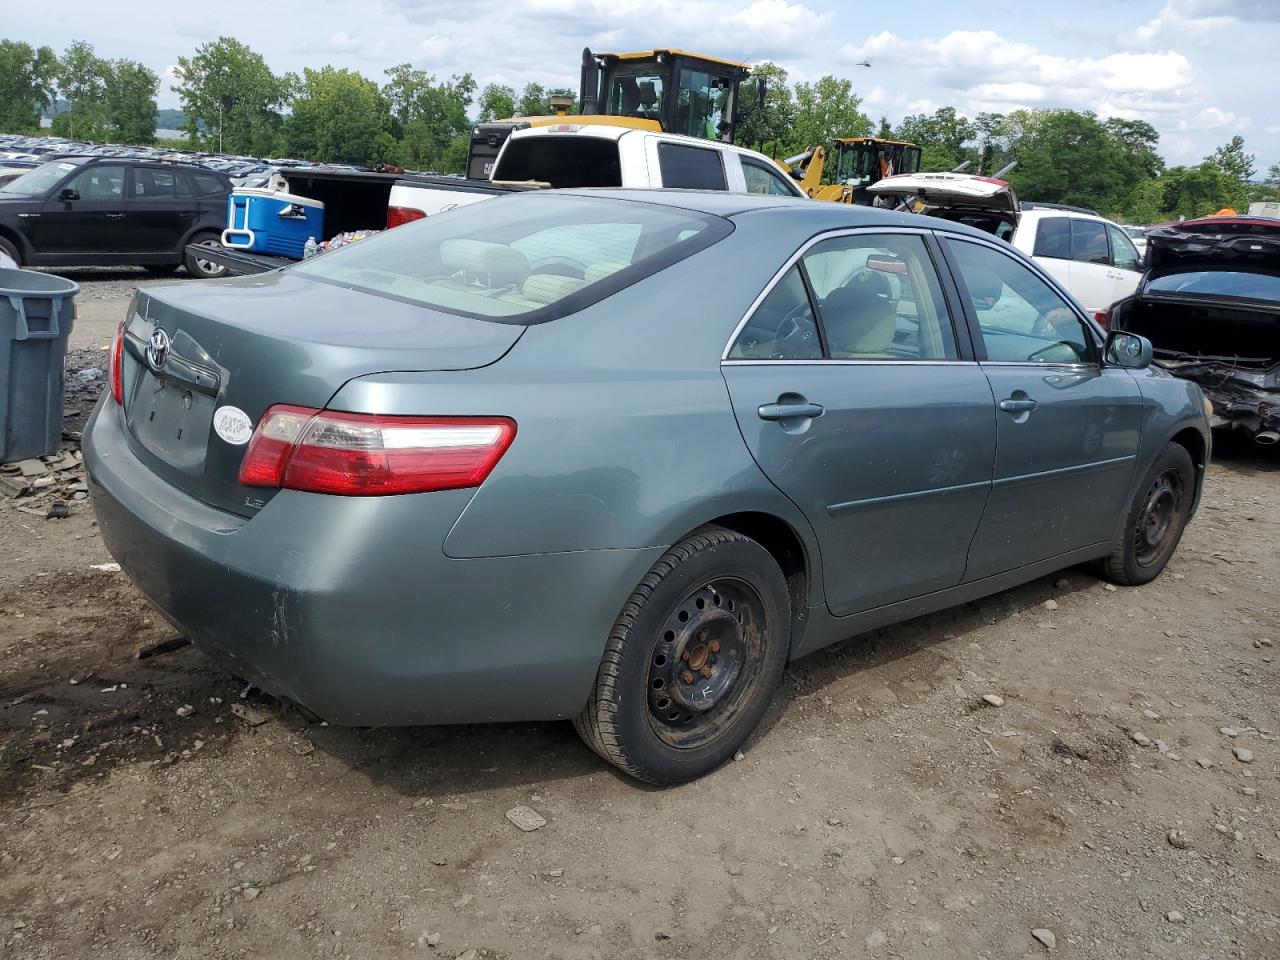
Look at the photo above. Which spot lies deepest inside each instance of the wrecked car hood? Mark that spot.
(955, 191)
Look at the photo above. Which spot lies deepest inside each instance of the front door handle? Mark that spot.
(790, 409)
(1018, 406)
(115, 216)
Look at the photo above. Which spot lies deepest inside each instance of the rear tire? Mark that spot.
(692, 661)
(204, 269)
(11, 251)
(1155, 521)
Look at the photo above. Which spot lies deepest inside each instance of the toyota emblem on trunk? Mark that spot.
(157, 349)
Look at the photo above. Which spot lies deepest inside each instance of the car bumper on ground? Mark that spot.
(313, 598)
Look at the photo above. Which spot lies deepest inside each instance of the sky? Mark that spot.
(1200, 71)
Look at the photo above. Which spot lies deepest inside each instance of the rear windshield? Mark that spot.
(1219, 283)
(525, 258)
(561, 161)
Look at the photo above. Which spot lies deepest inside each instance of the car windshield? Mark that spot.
(520, 259)
(1220, 283)
(39, 180)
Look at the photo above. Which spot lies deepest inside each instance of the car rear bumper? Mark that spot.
(349, 606)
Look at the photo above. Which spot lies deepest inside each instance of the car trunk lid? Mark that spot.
(202, 363)
(1249, 243)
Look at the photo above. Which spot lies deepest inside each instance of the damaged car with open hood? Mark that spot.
(1210, 304)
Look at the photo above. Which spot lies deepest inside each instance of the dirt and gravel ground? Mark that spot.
(883, 810)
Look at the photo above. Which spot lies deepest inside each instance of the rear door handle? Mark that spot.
(115, 216)
(790, 410)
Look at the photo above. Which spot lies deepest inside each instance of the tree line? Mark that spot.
(234, 103)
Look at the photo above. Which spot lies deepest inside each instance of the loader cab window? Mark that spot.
(636, 89)
(856, 164)
(700, 111)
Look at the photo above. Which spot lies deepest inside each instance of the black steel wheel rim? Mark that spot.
(1158, 521)
(706, 660)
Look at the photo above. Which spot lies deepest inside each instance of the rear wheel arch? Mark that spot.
(11, 239)
(788, 550)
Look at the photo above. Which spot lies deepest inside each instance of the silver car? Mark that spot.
(620, 456)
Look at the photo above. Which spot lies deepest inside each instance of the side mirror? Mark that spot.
(67, 194)
(1127, 350)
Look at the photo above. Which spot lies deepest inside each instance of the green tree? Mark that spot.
(1187, 192)
(82, 82)
(1231, 159)
(341, 117)
(497, 102)
(1067, 157)
(129, 99)
(942, 137)
(231, 98)
(28, 77)
(766, 127)
(432, 117)
(825, 110)
(534, 101)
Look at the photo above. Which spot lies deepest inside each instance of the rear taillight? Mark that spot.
(1103, 317)
(399, 216)
(363, 455)
(115, 375)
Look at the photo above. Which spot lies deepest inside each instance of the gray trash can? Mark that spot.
(36, 314)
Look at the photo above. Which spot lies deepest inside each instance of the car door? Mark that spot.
(1126, 264)
(860, 402)
(1067, 428)
(1092, 276)
(88, 222)
(160, 211)
(758, 177)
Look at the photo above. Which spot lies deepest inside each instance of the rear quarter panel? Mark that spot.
(626, 437)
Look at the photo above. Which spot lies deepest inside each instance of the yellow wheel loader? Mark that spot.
(669, 90)
(860, 162)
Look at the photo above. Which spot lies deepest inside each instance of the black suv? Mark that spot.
(74, 211)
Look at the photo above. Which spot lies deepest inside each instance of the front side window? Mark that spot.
(99, 183)
(520, 259)
(760, 179)
(1124, 255)
(691, 168)
(783, 327)
(1022, 318)
(1089, 241)
(879, 298)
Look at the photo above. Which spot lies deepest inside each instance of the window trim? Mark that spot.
(975, 326)
(960, 332)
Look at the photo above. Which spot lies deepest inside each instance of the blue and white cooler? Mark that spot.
(262, 220)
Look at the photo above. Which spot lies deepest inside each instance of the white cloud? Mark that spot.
(1213, 118)
(1199, 21)
(988, 71)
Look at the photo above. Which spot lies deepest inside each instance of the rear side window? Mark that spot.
(152, 184)
(691, 168)
(522, 259)
(207, 185)
(1053, 238)
(561, 161)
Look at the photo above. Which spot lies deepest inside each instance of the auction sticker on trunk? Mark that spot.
(233, 425)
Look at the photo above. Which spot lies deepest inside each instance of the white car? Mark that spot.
(1091, 257)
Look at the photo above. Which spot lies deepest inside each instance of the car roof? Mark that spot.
(818, 214)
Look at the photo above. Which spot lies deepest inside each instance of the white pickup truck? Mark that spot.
(584, 152)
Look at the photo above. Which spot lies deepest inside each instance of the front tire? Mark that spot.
(692, 661)
(1155, 521)
(200, 268)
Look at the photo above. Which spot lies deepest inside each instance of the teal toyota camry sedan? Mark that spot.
(618, 457)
